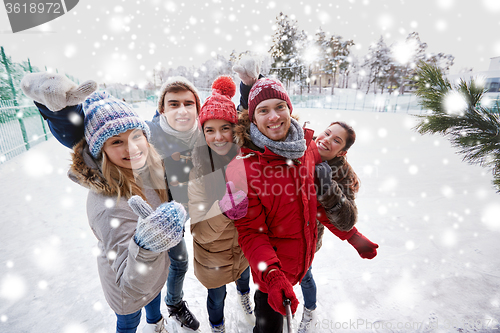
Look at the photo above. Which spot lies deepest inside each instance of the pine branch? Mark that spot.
(471, 91)
(432, 87)
(475, 131)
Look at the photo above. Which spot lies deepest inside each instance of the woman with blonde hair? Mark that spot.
(116, 162)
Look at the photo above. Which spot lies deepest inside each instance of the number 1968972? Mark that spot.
(47, 8)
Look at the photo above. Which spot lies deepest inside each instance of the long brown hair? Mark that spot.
(127, 184)
(354, 182)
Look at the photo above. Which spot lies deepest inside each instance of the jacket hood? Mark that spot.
(86, 170)
(242, 131)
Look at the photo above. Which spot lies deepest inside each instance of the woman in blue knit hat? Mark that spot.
(116, 162)
(174, 130)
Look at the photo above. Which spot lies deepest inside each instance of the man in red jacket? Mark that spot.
(279, 233)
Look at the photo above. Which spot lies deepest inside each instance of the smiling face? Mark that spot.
(128, 150)
(180, 110)
(272, 118)
(219, 135)
(331, 142)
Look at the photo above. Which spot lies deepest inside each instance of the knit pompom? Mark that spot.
(219, 105)
(224, 85)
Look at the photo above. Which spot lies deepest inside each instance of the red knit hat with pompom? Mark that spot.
(219, 104)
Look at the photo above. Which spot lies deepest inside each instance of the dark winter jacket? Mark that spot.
(67, 132)
(279, 229)
(177, 160)
(338, 201)
(121, 262)
(244, 92)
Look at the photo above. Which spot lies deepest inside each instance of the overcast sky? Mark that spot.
(110, 40)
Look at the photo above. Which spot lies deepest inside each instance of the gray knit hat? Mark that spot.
(106, 116)
(177, 83)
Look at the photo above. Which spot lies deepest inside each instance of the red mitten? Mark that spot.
(366, 248)
(279, 289)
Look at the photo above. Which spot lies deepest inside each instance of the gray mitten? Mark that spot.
(55, 91)
(332, 198)
(323, 179)
(248, 69)
(161, 229)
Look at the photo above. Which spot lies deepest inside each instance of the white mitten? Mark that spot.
(248, 69)
(55, 91)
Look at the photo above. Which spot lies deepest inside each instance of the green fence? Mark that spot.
(21, 127)
(360, 102)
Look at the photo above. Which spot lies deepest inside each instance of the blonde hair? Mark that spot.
(125, 182)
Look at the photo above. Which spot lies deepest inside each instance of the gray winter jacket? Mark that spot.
(131, 276)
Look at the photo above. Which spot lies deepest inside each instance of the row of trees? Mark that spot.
(296, 56)
(11, 74)
(203, 76)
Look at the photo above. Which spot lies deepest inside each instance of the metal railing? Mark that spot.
(360, 102)
(349, 100)
(21, 127)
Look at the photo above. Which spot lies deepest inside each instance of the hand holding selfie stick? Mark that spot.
(287, 303)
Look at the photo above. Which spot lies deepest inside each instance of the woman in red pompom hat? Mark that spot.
(213, 204)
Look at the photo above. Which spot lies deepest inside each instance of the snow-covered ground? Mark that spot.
(436, 219)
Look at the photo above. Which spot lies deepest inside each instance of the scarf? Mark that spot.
(293, 147)
(188, 137)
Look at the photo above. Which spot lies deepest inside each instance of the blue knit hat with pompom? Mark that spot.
(106, 116)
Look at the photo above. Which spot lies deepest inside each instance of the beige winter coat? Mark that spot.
(218, 259)
(131, 276)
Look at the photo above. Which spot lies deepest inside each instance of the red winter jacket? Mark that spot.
(280, 226)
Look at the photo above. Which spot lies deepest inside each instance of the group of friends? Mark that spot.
(258, 189)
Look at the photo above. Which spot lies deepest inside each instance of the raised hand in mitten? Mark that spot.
(323, 178)
(279, 289)
(161, 229)
(55, 91)
(366, 248)
(248, 70)
(234, 204)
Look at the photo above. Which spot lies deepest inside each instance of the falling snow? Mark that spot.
(96, 32)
